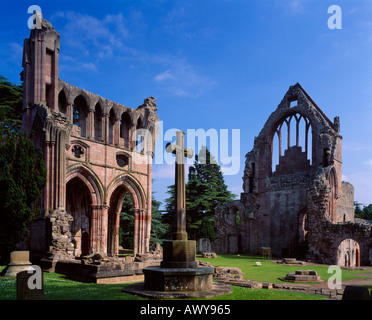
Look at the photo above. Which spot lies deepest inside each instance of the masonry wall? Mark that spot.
(95, 150)
(301, 208)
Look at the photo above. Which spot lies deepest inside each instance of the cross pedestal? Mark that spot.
(178, 270)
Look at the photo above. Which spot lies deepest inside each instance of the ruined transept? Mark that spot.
(294, 200)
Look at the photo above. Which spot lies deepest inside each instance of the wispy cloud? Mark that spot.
(296, 6)
(92, 37)
(368, 163)
(181, 79)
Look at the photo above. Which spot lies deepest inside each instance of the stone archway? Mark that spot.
(142, 216)
(348, 253)
(78, 205)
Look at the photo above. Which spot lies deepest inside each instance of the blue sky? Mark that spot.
(215, 64)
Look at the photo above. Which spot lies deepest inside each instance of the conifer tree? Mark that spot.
(205, 190)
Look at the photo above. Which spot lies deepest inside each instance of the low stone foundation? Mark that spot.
(302, 276)
(115, 271)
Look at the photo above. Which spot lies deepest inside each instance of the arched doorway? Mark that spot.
(85, 244)
(302, 234)
(78, 204)
(121, 222)
(141, 209)
(348, 253)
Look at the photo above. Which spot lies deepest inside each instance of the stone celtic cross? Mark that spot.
(180, 192)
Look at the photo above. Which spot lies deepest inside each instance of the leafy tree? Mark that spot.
(365, 213)
(22, 177)
(126, 229)
(22, 172)
(126, 232)
(11, 97)
(358, 210)
(158, 229)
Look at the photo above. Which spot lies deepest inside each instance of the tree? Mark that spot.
(358, 210)
(205, 190)
(126, 229)
(158, 229)
(11, 97)
(22, 172)
(365, 213)
(126, 232)
(170, 208)
(22, 177)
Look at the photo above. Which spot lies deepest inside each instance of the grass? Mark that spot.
(58, 287)
(270, 271)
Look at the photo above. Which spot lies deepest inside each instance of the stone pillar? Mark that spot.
(116, 131)
(94, 229)
(90, 124)
(105, 127)
(61, 170)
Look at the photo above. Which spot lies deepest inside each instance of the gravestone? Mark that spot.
(203, 245)
(30, 284)
(19, 261)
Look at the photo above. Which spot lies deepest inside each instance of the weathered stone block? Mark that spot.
(19, 261)
(26, 289)
(178, 279)
(179, 254)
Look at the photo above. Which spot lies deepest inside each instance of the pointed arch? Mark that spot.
(332, 204)
(142, 215)
(90, 179)
(133, 186)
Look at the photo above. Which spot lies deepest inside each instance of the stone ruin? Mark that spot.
(92, 157)
(302, 276)
(294, 200)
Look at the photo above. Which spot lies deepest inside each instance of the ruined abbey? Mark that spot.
(93, 153)
(294, 200)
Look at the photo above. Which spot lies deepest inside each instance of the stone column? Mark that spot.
(116, 131)
(60, 169)
(90, 124)
(94, 229)
(105, 127)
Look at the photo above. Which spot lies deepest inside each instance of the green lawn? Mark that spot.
(270, 271)
(58, 287)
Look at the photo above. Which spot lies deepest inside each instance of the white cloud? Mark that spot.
(86, 35)
(166, 75)
(296, 6)
(181, 79)
(368, 163)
